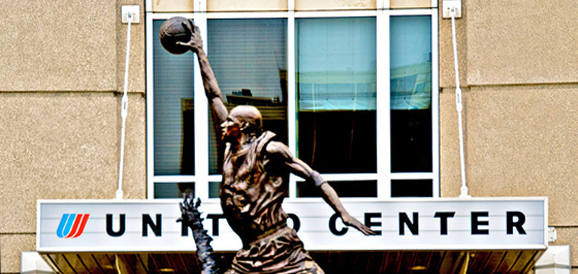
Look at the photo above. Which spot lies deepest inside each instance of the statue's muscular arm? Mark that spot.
(212, 90)
(280, 152)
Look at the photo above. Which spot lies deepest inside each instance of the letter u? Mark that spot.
(121, 229)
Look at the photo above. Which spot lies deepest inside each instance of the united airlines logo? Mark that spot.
(72, 225)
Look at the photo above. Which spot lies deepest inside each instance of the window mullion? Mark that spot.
(149, 108)
(291, 95)
(201, 121)
(435, 107)
(383, 98)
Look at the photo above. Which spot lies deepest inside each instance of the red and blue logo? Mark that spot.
(72, 225)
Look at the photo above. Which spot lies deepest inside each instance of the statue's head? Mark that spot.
(242, 120)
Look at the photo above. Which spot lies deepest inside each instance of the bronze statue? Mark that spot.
(255, 181)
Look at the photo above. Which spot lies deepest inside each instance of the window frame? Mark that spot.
(383, 176)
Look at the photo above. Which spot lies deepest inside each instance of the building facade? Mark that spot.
(363, 91)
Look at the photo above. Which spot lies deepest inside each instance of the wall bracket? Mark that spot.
(448, 6)
(133, 10)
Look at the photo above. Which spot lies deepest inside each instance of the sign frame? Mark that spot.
(403, 206)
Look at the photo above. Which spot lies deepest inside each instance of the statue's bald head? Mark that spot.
(249, 114)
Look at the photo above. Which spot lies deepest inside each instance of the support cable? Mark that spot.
(124, 110)
(459, 108)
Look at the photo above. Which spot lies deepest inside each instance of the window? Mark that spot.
(350, 92)
(336, 99)
(336, 90)
(249, 59)
(173, 119)
(411, 103)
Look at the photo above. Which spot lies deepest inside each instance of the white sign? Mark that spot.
(402, 224)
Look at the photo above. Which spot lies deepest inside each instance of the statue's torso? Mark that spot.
(252, 190)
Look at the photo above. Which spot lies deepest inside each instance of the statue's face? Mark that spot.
(241, 120)
(231, 129)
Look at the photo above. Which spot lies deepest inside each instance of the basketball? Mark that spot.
(173, 31)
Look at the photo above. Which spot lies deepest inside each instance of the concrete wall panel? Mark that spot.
(403, 4)
(449, 145)
(520, 141)
(514, 42)
(58, 45)
(305, 5)
(11, 247)
(65, 146)
(66, 45)
(172, 6)
(248, 5)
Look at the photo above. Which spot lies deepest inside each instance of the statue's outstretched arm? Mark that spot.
(191, 217)
(212, 90)
(301, 169)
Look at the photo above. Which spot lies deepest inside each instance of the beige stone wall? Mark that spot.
(519, 78)
(306, 5)
(282, 5)
(409, 4)
(66, 45)
(61, 77)
(247, 5)
(524, 42)
(172, 6)
(519, 140)
(9, 245)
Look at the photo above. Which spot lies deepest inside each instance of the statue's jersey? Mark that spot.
(253, 189)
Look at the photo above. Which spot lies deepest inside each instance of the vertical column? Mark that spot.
(201, 112)
(435, 104)
(383, 103)
(291, 91)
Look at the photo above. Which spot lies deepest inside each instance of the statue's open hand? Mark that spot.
(189, 209)
(196, 42)
(351, 221)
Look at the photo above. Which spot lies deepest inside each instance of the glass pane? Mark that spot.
(174, 136)
(343, 188)
(411, 188)
(336, 82)
(249, 59)
(214, 189)
(173, 190)
(411, 114)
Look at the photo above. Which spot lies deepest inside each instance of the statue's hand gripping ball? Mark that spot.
(173, 31)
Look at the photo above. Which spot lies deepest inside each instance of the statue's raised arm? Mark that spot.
(212, 90)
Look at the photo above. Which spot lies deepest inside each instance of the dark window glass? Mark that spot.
(174, 136)
(345, 189)
(214, 189)
(336, 82)
(411, 188)
(173, 190)
(411, 113)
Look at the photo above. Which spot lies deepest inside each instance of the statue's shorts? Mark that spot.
(279, 252)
